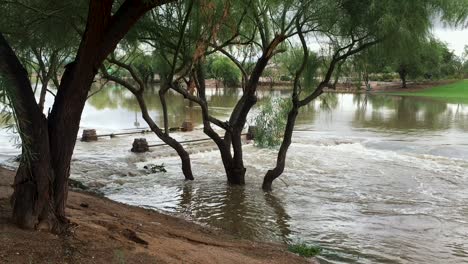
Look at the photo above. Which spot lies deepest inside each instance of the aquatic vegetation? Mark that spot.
(305, 250)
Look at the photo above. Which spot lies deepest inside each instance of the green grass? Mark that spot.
(305, 250)
(455, 92)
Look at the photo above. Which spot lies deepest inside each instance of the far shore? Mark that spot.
(376, 86)
(105, 231)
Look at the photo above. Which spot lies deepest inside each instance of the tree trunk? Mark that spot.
(183, 154)
(403, 73)
(234, 167)
(274, 173)
(103, 32)
(64, 123)
(32, 199)
(41, 183)
(33, 193)
(137, 91)
(236, 171)
(236, 175)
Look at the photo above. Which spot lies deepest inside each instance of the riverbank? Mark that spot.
(454, 91)
(109, 232)
(389, 87)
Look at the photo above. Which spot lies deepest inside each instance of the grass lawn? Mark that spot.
(455, 92)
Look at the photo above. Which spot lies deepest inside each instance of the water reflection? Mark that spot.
(401, 113)
(369, 110)
(374, 179)
(246, 212)
(282, 218)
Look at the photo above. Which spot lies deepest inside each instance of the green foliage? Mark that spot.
(425, 59)
(9, 118)
(225, 70)
(305, 250)
(454, 92)
(271, 122)
(119, 257)
(290, 61)
(42, 23)
(328, 101)
(5, 113)
(145, 65)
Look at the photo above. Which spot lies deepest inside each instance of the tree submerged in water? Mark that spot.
(248, 33)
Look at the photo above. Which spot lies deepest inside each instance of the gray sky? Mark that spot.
(455, 38)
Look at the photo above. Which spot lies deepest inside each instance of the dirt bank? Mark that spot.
(110, 232)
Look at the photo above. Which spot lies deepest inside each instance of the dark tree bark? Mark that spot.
(235, 169)
(33, 183)
(163, 135)
(274, 173)
(41, 183)
(183, 154)
(403, 73)
(339, 56)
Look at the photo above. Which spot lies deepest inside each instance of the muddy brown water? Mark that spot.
(369, 178)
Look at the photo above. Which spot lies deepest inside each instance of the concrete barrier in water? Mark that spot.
(89, 135)
(140, 145)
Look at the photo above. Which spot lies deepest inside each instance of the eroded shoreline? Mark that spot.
(110, 232)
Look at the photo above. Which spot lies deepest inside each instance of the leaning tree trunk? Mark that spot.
(138, 91)
(274, 173)
(183, 154)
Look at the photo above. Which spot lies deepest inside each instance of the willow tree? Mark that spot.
(41, 182)
(361, 26)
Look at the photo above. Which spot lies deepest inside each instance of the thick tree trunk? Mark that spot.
(102, 34)
(33, 193)
(64, 122)
(236, 171)
(236, 174)
(33, 200)
(41, 184)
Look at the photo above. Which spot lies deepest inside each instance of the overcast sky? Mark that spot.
(455, 38)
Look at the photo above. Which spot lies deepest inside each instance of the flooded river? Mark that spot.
(369, 178)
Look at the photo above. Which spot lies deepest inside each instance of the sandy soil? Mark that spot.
(110, 232)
